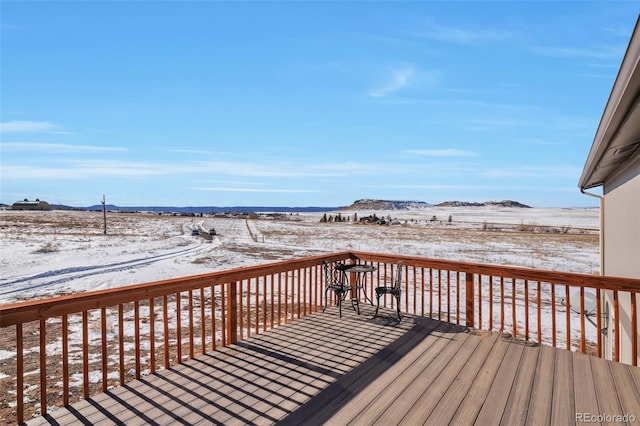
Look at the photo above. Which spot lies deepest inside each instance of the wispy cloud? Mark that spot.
(461, 35)
(538, 141)
(481, 124)
(86, 168)
(446, 152)
(56, 148)
(397, 80)
(533, 172)
(30, 127)
(245, 189)
(601, 51)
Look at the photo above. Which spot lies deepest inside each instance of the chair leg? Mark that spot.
(326, 298)
(375, 315)
(398, 308)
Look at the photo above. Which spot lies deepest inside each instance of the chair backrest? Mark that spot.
(330, 273)
(398, 280)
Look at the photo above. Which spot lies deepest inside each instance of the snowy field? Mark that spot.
(46, 254)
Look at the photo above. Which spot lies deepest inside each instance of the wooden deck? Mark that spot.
(356, 370)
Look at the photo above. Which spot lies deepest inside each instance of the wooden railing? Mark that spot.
(543, 306)
(71, 347)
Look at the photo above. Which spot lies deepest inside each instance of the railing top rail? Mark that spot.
(555, 277)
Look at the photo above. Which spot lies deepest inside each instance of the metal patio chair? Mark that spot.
(395, 290)
(335, 280)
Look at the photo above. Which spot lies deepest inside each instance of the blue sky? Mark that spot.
(200, 103)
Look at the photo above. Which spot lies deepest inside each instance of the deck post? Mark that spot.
(470, 300)
(232, 312)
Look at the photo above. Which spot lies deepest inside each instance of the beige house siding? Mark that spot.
(621, 248)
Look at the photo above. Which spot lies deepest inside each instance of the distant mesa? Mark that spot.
(369, 204)
(504, 203)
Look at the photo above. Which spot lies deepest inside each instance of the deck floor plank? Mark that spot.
(517, 406)
(607, 395)
(586, 399)
(459, 386)
(468, 409)
(563, 403)
(357, 370)
(539, 412)
(491, 414)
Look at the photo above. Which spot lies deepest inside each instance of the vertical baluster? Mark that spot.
(264, 303)
(539, 302)
(293, 295)
(191, 352)
(165, 321)
(20, 374)
(430, 292)
(43, 367)
(85, 354)
(241, 308)
(598, 323)
(448, 296)
(203, 326)
(223, 313)
(378, 279)
(526, 310)
(213, 318)
(422, 286)
(553, 314)
(616, 317)
(286, 297)
(65, 360)
(103, 332)
(179, 328)
(458, 297)
(501, 303)
(513, 308)
(298, 280)
(121, 341)
(303, 278)
(152, 334)
(414, 280)
(568, 316)
(136, 320)
(491, 302)
(583, 345)
(257, 304)
(634, 329)
(479, 302)
(279, 299)
(271, 300)
(440, 294)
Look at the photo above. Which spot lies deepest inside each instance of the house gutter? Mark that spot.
(601, 198)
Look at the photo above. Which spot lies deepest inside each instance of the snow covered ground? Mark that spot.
(61, 252)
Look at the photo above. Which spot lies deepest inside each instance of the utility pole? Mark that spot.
(104, 213)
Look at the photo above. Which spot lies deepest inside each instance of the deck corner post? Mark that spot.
(232, 312)
(470, 300)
